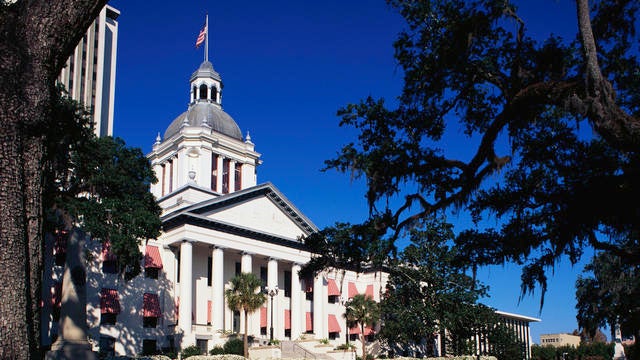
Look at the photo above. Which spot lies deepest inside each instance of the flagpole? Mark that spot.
(206, 38)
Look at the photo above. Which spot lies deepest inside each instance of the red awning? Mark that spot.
(107, 254)
(287, 319)
(209, 308)
(354, 330)
(309, 322)
(353, 290)
(152, 257)
(332, 288)
(151, 306)
(368, 331)
(334, 327)
(263, 317)
(56, 294)
(369, 291)
(109, 302)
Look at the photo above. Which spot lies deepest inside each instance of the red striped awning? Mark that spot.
(332, 288)
(151, 306)
(152, 257)
(56, 294)
(369, 291)
(353, 290)
(309, 322)
(287, 319)
(263, 316)
(109, 302)
(334, 327)
(354, 330)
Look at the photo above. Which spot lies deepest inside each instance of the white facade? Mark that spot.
(90, 72)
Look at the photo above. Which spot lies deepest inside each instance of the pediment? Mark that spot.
(262, 209)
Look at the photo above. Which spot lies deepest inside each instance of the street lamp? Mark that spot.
(272, 291)
(343, 302)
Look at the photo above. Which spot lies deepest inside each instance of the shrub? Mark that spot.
(190, 351)
(234, 346)
(218, 350)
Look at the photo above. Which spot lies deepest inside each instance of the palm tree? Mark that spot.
(245, 295)
(362, 311)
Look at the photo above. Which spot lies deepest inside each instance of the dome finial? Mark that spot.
(158, 139)
(247, 139)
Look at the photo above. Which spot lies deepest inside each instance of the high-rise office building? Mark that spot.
(90, 73)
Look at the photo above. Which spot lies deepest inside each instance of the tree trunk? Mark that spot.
(36, 38)
(364, 344)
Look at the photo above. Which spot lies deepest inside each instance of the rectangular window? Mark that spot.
(263, 277)
(287, 333)
(333, 335)
(107, 346)
(149, 347)
(149, 321)
(151, 273)
(214, 172)
(225, 175)
(108, 319)
(238, 268)
(178, 271)
(238, 177)
(209, 270)
(287, 283)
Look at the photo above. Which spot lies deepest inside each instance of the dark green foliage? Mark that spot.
(504, 344)
(192, 350)
(593, 351)
(554, 127)
(101, 183)
(608, 294)
(427, 291)
(234, 346)
(217, 350)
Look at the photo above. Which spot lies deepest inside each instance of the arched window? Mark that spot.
(214, 94)
(203, 92)
(194, 96)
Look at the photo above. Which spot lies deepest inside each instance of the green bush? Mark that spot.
(191, 351)
(218, 350)
(234, 346)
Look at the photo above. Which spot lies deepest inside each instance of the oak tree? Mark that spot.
(36, 38)
(553, 126)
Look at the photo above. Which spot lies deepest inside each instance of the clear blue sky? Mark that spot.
(287, 66)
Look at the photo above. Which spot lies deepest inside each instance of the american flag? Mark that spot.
(201, 36)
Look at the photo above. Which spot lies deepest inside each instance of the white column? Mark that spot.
(218, 289)
(186, 286)
(219, 177)
(245, 265)
(272, 281)
(232, 176)
(319, 300)
(296, 302)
